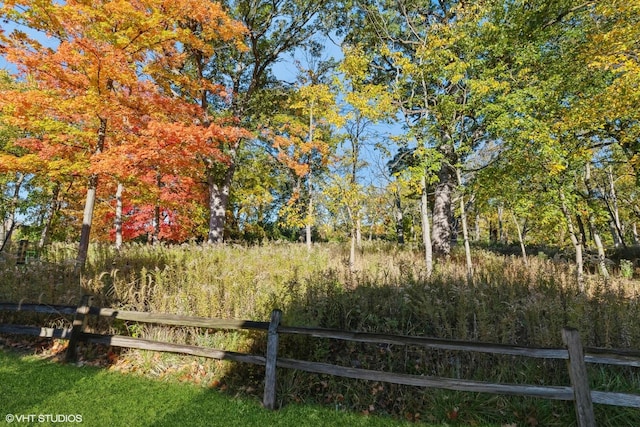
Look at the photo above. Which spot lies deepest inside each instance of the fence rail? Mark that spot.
(575, 355)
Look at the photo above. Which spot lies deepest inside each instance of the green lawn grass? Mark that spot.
(30, 386)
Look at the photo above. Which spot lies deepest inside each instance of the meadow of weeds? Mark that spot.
(506, 302)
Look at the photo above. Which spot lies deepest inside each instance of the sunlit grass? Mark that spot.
(32, 387)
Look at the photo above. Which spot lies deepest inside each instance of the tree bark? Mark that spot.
(10, 223)
(399, 218)
(355, 137)
(602, 266)
(583, 233)
(308, 221)
(352, 245)
(118, 219)
(219, 180)
(442, 211)
(618, 231)
(87, 219)
(154, 236)
(90, 201)
(218, 201)
(523, 249)
(426, 229)
(502, 235)
(53, 207)
(465, 231)
(576, 243)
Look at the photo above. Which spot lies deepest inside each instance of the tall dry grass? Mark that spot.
(506, 302)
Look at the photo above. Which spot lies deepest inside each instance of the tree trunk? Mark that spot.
(353, 239)
(90, 202)
(583, 233)
(118, 220)
(602, 266)
(465, 232)
(493, 233)
(153, 238)
(10, 223)
(523, 249)
(355, 156)
(426, 229)
(399, 218)
(3, 220)
(614, 212)
(576, 243)
(219, 190)
(309, 184)
(615, 236)
(635, 234)
(51, 211)
(218, 200)
(6, 242)
(501, 233)
(308, 220)
(442, 211)
(87, 219)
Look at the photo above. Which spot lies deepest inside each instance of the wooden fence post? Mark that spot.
(79, 326)
(579, 378)
(269, 398)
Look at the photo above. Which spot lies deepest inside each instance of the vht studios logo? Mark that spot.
(43, 418)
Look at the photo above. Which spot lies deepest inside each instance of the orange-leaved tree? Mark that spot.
(103, 98)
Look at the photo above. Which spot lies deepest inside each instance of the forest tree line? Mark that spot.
(511, 121)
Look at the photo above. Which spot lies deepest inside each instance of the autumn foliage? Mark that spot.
(107, 96)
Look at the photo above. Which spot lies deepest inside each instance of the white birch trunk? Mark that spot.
(309, 184)
(576, 243)
(118, 219)
(465, 232)
(399, 219)
(602, 266)
(308, 221)
(523, 249)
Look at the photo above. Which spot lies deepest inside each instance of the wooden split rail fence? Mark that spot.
(576, 356)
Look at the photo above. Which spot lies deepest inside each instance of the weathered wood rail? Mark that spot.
(575, 355)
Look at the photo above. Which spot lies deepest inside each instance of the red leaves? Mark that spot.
(116, 62)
